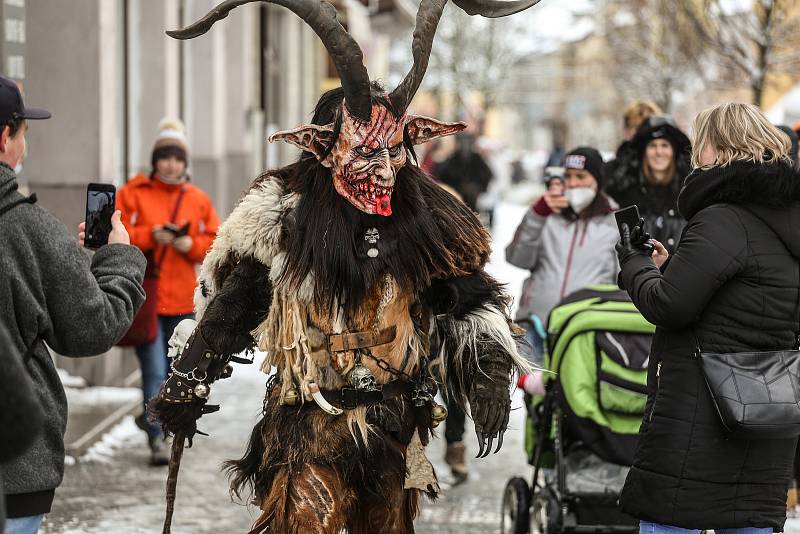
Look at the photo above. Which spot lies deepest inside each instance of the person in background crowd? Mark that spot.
(731, 286)
(663, 153)
(518, 174)
(21, 416)
(566, 240)
(636, 113)
(465, 170)
(52, 295)
(432, 152)
(174, 223)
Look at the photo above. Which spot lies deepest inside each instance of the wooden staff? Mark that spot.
(172, 479)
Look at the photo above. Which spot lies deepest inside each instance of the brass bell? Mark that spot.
(201, 391)
(290, 397)
(438, 414)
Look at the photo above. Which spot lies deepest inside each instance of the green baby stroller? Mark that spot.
(580, 436)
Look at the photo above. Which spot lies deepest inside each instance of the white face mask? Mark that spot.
(172, 181)
(579, 198)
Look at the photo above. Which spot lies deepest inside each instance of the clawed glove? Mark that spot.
(634, 242)
(183, 396)
(490, 401)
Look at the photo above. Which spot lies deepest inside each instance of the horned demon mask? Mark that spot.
(369, 148)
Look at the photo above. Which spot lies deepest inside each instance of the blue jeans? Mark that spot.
(154, 362)
(24, 525)
(646, 527)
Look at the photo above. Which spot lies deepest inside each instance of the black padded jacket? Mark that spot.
(734, 281)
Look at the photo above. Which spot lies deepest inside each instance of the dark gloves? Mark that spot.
(490, 400)
(635, 242)
(183, 396)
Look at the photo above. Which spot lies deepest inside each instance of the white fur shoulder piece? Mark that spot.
(252, 229)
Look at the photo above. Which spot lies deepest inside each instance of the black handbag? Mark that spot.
(756, 394)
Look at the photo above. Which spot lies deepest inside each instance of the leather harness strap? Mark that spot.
(350, 398)
(361, 340)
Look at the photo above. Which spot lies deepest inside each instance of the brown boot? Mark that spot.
(454, 456)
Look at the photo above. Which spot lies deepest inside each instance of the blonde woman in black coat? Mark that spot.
(733, 281)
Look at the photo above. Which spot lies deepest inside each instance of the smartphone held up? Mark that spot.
(629, 216)
(100, 206)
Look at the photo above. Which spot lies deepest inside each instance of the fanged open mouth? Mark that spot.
(372, 192)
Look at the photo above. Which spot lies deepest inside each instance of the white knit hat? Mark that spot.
(171, 134)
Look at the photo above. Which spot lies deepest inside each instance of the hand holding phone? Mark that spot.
(554, 196)
(629, 216)
(100, 207)
(177, 231)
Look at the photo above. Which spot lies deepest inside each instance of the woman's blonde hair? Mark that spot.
(738, 132)
(638, 111)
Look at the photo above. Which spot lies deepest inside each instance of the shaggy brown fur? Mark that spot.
(311, 476)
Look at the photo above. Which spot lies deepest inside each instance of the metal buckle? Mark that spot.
(349, 398)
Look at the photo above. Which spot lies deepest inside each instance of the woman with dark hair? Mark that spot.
(730, 287)
(174, 223)
(654, 181)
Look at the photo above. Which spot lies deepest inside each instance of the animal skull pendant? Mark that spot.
(362, 378)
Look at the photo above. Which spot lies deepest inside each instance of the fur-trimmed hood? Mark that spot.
(770, 191)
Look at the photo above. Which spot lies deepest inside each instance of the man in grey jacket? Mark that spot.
(52, 292)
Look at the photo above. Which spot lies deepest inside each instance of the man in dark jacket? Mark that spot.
(465, 171)
(732, 286)
(53, 293)
(19, 409)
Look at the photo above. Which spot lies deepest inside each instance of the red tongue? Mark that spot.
(383, 205)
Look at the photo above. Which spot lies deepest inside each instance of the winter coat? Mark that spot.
(564, 253)
(626, 184)
(468, 174)
(19, 409)
(733, 281)
(53, 293)
(147, 202)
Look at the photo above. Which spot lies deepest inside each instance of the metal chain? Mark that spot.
(384, 365)
(187, 376)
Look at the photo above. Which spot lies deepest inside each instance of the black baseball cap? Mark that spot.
(11, 105)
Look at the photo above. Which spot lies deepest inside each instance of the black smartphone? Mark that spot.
(629, 216)
(101, 201)
(177, 231)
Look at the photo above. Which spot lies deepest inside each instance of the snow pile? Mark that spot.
(124, 434)
(507, 218)
(69, 380)
(102, 395)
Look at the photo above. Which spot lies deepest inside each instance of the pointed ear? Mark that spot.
(310, 138)
(423, 129)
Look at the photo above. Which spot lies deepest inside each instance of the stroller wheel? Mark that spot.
(516, 507)
(545, 514)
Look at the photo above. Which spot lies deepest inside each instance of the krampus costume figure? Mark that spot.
(364, 283)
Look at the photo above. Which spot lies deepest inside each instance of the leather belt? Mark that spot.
(361, 340)
(349, 398)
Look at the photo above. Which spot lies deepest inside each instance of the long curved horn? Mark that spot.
(321, 16)
(428, 15)
(494, 8)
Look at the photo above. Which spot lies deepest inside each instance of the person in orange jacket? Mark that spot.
(174, 223)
